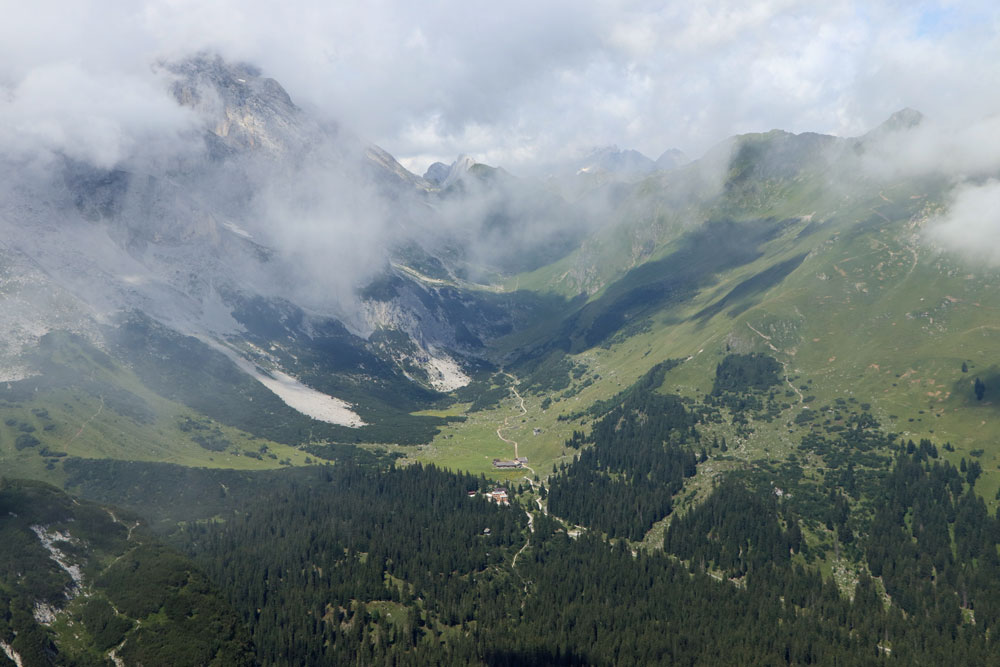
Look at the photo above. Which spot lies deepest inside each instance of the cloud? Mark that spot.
(98, 117)
(957, 153)
(971, 225)
(522, 81)
(516, 84)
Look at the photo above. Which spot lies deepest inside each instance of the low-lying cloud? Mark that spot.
(971, 225)
(963, 151)
(518, 83)
(102, 118)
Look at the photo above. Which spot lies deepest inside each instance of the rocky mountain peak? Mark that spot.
(672, 158)
(625, 163)
(244, 109)
(903, 119)
(458, 169)
(437, 173)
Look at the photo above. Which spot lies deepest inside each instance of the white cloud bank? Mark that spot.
(512, 83)
(971, 225)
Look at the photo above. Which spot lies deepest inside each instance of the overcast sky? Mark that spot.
(511, 83)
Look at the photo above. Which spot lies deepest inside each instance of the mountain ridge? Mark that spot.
(428, 319)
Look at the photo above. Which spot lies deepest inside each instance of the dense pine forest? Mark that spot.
(639, 461)
(363, 567)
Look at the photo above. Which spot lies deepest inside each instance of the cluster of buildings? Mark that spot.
(519, 462)
(497, 495)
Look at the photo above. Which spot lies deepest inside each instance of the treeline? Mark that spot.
(650, 381)
(626, 481)
(741, 384)
(746, 372)
(857, 441)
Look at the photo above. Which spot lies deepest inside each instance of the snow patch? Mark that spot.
(307, 400)
(293, 393)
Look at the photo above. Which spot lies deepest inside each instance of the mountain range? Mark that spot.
(272, 292)
(297, 252)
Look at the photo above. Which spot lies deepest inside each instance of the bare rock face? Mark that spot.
(262, 201)
(249, 114)
(437, 173)
(244, 109)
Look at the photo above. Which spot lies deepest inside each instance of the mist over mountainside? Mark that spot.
(684, 373)
(258, 201)
(259, 228)
(628, 164)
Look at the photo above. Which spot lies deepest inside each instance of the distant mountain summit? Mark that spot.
(671, 158)
(612, 160)
(444, 175)
(903, 119)
(246, 110)
(899, 122)
(458, 170)
(437, 173)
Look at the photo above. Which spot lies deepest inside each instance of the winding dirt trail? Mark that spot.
(89, 419)
(788, 380)
(506, 424)
(130, 528)
(527, 542)
(767, 339)
(506, 421)
(784, 364)
(533, 484)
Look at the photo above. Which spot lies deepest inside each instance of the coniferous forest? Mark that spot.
(639, 461)
(884, 554)
(358, 567)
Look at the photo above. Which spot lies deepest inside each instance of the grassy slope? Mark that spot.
(872, 313)
(92, 425)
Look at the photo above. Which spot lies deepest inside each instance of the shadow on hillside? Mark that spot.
(964, 389)
(740, 298)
